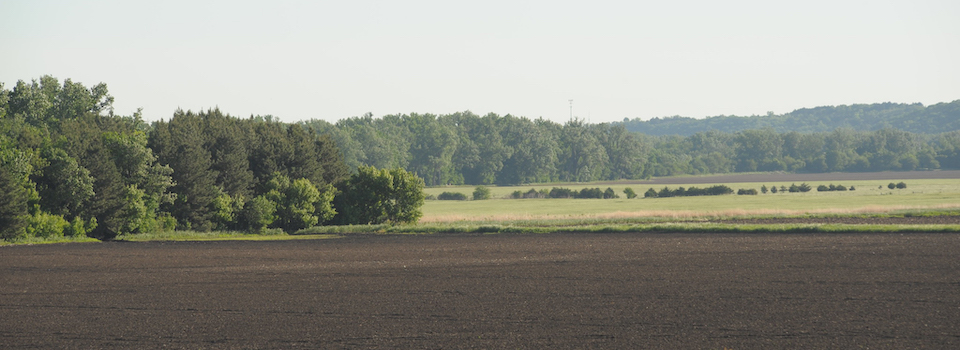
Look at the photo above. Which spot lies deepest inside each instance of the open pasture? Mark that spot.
(871, 196)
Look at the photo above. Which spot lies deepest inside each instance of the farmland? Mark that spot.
(560, 291)
(926, 190)
(713, 272)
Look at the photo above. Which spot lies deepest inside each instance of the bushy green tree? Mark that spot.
(299, 204)
(227, 211)
(64, 186)
(481, 193)
(13, 202)
(374, 196)
(259, 213)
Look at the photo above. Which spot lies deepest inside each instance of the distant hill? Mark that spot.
(917, 118)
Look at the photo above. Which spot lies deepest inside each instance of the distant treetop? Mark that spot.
(916, 118)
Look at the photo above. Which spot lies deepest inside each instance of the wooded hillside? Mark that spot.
(915, 118)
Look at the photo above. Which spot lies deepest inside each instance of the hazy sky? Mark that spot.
(330, 60)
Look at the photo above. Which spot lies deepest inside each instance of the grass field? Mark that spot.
(928, 197)
(870, 196)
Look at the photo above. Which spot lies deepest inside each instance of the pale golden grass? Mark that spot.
(683, 214)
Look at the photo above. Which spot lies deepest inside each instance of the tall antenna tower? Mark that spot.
(571, 109)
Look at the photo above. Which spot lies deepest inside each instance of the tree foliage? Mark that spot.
(915, 118)
(374, 196)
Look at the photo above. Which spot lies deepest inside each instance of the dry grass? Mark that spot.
(682, 214)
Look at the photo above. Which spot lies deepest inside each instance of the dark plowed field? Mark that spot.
(621, 291)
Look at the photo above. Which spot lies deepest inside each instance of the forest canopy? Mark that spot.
(69, 166)
(464, 148)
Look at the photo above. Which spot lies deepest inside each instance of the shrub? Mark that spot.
(452, 196)
(665, 192)
(692, 191)
(751, 192)
(595, 193)
(680, 191)
(832, 187)
(720, 190)
(532, 193)
(764, 189)
(610, 194)
(773, 189)
(800, 188)
(558, 192)
(852, 188)
(892, 185)
(46, 225)
(651, 193)
(481, 193)
(79, 228)
(901, 185)
(629, 192)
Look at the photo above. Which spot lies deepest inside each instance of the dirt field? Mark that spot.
(502, 291)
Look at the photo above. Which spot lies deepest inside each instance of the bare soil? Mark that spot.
(556, 291)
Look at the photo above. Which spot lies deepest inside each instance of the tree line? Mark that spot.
(69, 166)
(464, 148)
(916, 118)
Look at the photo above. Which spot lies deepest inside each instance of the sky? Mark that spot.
(300, 60)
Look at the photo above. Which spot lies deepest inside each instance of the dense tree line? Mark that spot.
(69, 166)
(916, 118)
(463, 148)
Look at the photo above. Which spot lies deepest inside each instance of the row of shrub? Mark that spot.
(692, 191)
(482, 192)
(748, 191)
(832, 187)
(560, 192)
(804, 187)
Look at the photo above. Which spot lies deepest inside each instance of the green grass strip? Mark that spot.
(52, 240)
(219, 236)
